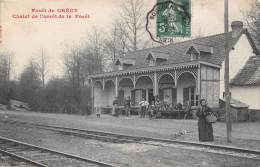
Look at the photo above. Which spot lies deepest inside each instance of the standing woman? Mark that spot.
(205, 128)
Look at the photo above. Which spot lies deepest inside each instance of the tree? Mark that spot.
(115, 43)
(73, 67)
(42, 66)
(5, 71)
(95, 47)
(30, 85)
(55, 95)
(80, 62)
(5, 66)
(133, 16)
(253, 22)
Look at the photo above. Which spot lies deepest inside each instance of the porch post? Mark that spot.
(116, 87)
(198, 83)
(155, 85)
(175, 79)
(103, 84)
(134, 81)
(147, 94)
(92, 95)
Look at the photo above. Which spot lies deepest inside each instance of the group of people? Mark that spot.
(150, 109)
(204, 126)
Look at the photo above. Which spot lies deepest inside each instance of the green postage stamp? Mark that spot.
(172, 18)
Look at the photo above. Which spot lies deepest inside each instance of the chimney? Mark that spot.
(237, 27)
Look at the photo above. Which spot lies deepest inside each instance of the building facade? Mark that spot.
(176, 73)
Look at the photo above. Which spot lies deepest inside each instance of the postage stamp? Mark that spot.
(173, 19)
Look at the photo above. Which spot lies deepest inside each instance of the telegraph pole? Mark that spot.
(1, 29)
(226, 75)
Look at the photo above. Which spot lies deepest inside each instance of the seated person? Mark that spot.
(178, 106)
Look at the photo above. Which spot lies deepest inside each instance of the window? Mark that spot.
(194, 56)
(151, 62)
(120, 67)
(189, 94)
(194, 99)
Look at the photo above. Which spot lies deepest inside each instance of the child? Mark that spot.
(151, 110)
(98, 111)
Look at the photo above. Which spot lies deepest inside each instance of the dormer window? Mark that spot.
(196, 51)
(123, 63)
(151, 62)
(120, 67)
(194, 56)
(155, 58)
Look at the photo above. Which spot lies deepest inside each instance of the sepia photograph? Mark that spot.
(129, 83)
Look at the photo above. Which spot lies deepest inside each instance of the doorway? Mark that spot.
(151, 97)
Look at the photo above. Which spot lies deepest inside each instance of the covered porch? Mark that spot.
(180, 84)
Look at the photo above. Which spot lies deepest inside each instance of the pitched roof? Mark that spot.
(249, 74)
(235, 103)
(177, 51)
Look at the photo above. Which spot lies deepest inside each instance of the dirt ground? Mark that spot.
(245, 134)
(132, 154)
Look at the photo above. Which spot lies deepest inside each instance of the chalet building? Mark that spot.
(177, 73)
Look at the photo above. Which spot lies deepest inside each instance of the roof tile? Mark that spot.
(249, 74)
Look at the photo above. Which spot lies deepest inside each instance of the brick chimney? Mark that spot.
(237, 27)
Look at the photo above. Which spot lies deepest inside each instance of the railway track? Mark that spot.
(25, 153)
(123, 138)
(8, 161)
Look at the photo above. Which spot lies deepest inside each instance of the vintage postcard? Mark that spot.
(130, 83)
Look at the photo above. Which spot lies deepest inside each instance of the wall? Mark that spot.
(210, 85)
(249, 95)
(238, 57)
(98, 96)
(126, 85)
(109, 94)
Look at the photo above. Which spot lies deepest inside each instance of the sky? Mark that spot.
(25, 38)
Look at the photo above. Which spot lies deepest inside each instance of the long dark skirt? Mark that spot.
(205, 130)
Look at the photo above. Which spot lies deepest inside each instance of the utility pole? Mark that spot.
(1, 28)
(227, 91)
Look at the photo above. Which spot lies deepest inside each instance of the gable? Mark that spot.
(239, 55)
(149, 57)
